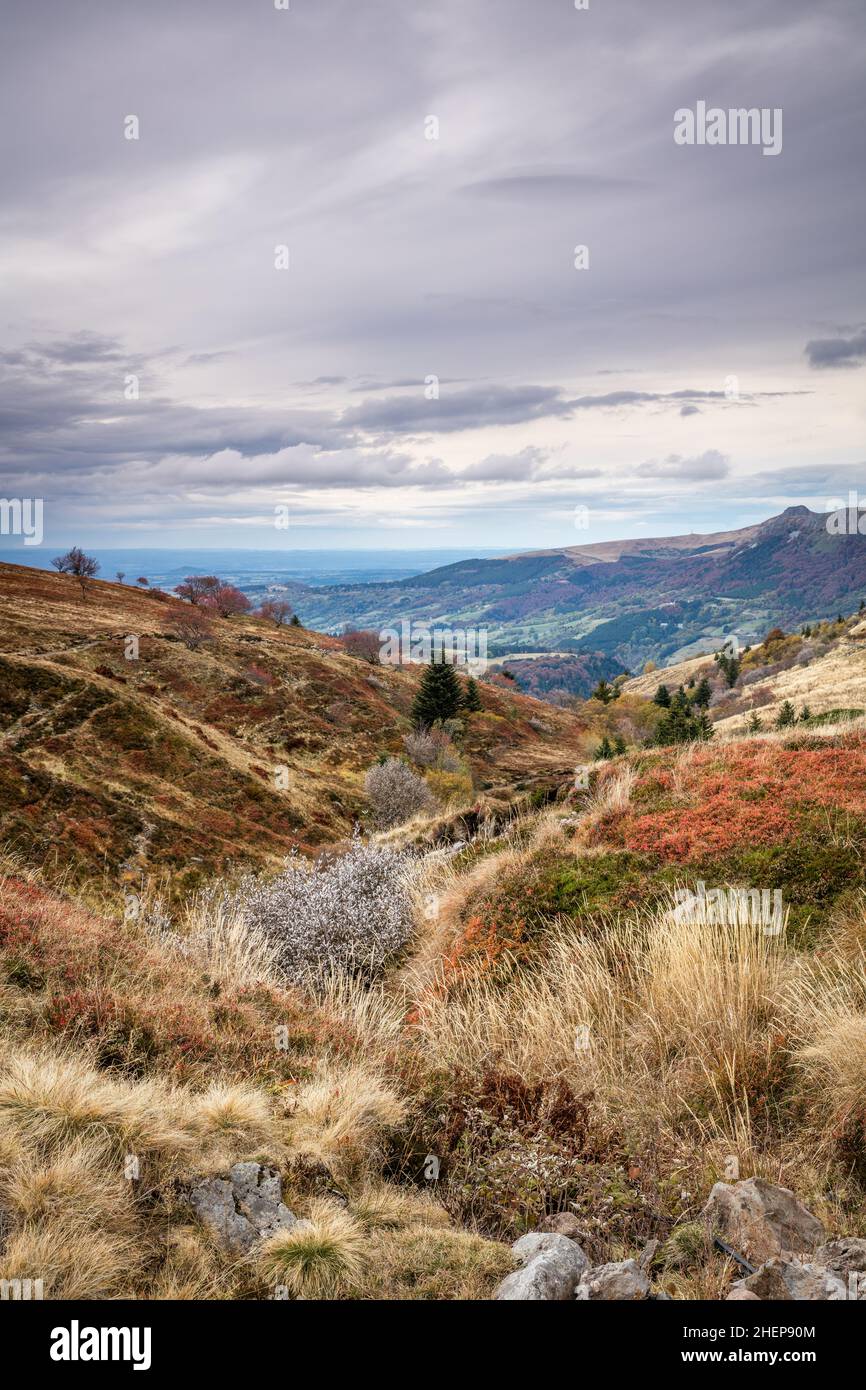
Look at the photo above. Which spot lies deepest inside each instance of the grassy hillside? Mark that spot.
(113, 767)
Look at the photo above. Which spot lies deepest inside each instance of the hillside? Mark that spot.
(824, 672)
(629, 600)
(560, 1046)
(169, 762)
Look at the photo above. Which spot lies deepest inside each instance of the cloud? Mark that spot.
(707, 467)
(470, 408)
(837, 352)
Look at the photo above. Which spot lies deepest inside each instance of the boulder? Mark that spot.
(562, 1224)
(759, 1220)
(243, 1208)
(551, 1265)
(800, 1281)
(845, 1255)
(625, 1281)
(740, 1295)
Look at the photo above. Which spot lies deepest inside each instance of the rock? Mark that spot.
(845, 1255)
(648, 1254)
(740, 1295)
(623, 1281)
(789, 1279)
(551, 1264)
(244, 1208)
(761, 1220)
(562, 1224)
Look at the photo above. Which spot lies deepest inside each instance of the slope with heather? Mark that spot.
(200, 761)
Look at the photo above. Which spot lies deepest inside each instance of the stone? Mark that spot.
(624, 1281)
(551, 1265)
(800, 1281)
(740, 1295)
(760, 1220)
(564, 1223)
(244, 1208)
(845, 1255)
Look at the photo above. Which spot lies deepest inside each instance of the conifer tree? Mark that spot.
(471, 700)
(662, 697)
(439, 694)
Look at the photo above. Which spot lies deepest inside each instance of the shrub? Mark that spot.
(431, 748)
(362, 644)
(396, 793)
(350, 913)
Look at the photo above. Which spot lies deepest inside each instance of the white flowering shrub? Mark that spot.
(396, 793)
(346, 913)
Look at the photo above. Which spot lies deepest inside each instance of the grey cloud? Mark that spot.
(837, 352)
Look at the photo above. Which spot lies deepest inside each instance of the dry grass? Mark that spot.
(321, 1258)
(340, 1115)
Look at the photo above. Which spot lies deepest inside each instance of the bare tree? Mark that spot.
(76, 563)
(196, 588)
(363, 644)
(190, 626)
(226, 599)
(276, 610)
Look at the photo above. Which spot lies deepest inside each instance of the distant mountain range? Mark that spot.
(631, 600)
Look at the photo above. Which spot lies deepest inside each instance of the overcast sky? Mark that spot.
(706, 369)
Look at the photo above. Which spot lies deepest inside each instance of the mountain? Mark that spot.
(168, 762)
(665, 598)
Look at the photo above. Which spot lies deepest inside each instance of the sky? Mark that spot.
(334, 280)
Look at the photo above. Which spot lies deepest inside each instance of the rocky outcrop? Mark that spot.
(760, 1220)
(624, 1281)
(243, 1208)
(551, 1267)
(788, 1279)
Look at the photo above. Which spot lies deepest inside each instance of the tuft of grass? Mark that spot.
(323, 1258)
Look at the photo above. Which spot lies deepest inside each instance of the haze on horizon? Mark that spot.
(704, 372)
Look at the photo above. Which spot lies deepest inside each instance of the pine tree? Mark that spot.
(805, 714)
(787, 715)
(754, 723)
(439, 694)
(604, 749)
(703, 694)
(618, 744)
(603, 692)
(294, 621)
(662, 697)
(471, 700)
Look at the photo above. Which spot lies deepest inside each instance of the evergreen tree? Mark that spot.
(618, 744)
(603, 692)
(471, 700)
(604, 749)
(805, 714)
(754, 723)
(294, 621)
(439, 695)
(703, 694)
(787, 715)
(662, 697)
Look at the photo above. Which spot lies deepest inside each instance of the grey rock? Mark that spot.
(740, 1295)
(244, 1208)
(551, 1266)
(845, 1255)
(623, 1281)
(800, 1281)
(761, 1220)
